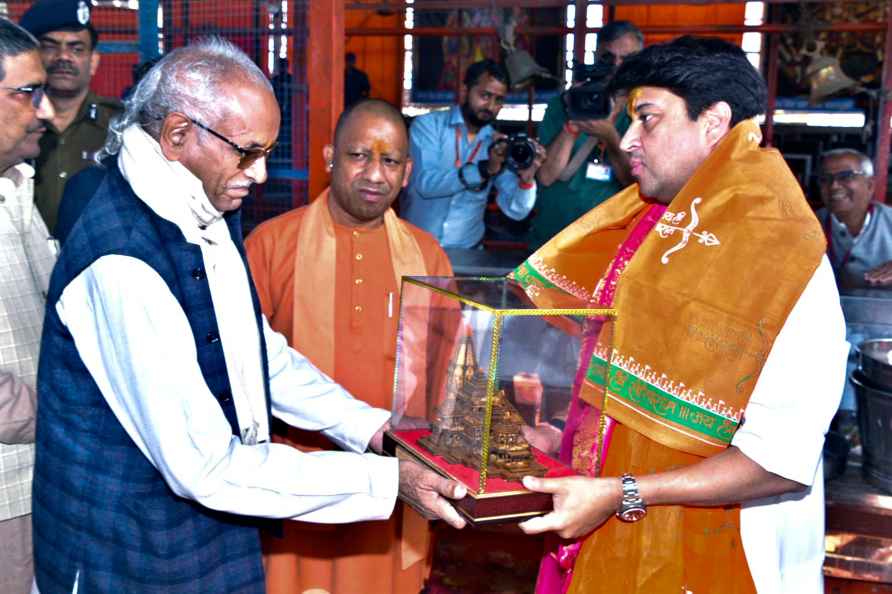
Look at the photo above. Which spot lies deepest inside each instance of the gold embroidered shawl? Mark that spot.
(701, 301)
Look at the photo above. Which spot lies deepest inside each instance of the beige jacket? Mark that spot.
(27, 255)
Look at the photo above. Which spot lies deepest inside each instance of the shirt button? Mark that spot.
(356, 234)
(359, 256)
(357, 281)
(357, 309)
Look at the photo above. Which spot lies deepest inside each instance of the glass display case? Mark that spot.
(483, 374)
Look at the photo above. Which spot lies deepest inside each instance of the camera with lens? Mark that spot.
(520, 152)
(590, 99)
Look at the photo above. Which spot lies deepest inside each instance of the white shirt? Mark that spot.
(786, 418)
(178, 196)
(134, 338)
(137, 344)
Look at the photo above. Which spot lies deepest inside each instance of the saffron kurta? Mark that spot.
(354, 558)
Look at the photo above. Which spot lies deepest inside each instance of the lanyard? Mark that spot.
(458, 149)
(830, 251)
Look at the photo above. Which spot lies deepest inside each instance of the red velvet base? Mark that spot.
(503, 501)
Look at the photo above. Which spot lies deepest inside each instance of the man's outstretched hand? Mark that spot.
(428, 493)
(581, 504)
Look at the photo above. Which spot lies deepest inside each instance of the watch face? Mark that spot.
(632, 514)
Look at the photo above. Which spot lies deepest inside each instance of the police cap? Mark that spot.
(45, 16)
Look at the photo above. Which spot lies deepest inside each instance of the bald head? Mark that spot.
(375, 108)
(369, 163)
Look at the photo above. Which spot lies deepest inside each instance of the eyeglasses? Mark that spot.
(37, 93)
(842, 177)
(248, 155)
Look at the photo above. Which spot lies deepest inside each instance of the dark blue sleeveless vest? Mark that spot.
(101, 510)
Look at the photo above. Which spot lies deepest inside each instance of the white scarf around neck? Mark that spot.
(176, 195)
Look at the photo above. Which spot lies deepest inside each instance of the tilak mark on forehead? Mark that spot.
(634, 94)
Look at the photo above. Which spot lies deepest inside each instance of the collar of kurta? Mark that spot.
(23, 173)
(17, 199)
(315, 262)
(700, 303)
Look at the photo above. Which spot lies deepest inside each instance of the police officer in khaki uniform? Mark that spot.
(68, 49)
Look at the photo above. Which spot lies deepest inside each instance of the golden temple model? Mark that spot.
(457, 432)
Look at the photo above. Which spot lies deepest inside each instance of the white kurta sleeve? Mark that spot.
(302, 397)
(800, 387)
(135, 340)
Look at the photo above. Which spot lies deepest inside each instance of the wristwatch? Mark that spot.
(632, 507)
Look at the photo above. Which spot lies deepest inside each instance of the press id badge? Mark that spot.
(599, 171)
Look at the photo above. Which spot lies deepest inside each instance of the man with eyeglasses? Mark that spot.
(26, 260)
(160, 376)
(858, 229)
(68, 49)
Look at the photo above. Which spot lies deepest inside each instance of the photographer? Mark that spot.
(459, 158)
(584, 165)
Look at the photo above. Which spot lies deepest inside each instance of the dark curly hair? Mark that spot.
(700, 70)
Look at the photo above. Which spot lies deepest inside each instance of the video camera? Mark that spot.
(589, 100)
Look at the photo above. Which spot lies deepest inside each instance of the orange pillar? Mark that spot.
(325, 78)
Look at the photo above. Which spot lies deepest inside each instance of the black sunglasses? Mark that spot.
(37, 93)
(842, 177)
(248, 155)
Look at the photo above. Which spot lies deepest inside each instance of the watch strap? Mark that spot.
(632, 507)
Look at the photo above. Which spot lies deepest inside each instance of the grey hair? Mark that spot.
(866, 163)
(14, 41)
(616, 29)
(191, 80)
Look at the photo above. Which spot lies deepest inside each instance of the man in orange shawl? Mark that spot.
(699, 425)
(328, 277)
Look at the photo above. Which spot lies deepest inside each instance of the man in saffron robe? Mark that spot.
(702, 448)
(328, 278)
